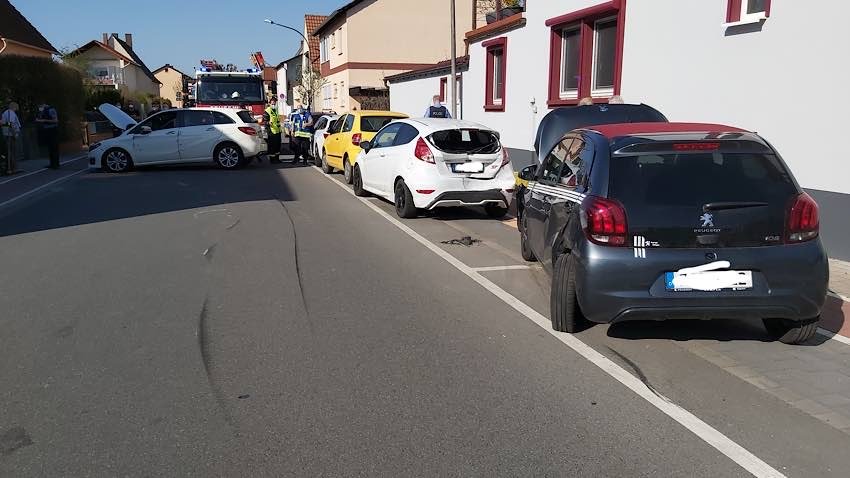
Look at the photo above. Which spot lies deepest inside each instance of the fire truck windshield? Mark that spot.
(230, 90)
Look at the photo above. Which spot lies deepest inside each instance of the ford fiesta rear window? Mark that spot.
(465, 141)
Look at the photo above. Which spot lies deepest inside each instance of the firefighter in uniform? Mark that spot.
(271, 120)
(302, 127)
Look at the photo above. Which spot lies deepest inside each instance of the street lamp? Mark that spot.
(272, 22)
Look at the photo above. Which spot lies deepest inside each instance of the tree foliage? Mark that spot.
(32, 81)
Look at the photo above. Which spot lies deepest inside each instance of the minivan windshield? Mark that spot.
(466, 141)
(230, 90)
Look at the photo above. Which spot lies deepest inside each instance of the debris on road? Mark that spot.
(463, 241)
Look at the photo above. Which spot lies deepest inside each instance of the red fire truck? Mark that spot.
(230, 89)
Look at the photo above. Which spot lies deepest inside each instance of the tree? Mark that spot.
(311, 86)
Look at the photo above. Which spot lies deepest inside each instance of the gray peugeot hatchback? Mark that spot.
(658, 220)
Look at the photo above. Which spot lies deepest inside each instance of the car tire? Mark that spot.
(117, 160)
(326, 168)
(564, 308)
(228, 156)
(791, 332)
(347, 170)
(404, 206)
(357, 181)
(496, 212)
(525, 249)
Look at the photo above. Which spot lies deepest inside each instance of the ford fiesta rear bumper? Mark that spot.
(490, 197)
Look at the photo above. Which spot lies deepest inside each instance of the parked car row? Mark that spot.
(634, 217)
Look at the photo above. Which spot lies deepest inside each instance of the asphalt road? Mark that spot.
(264, 322)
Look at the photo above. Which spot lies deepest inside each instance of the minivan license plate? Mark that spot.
(708, 281)
(472, 167)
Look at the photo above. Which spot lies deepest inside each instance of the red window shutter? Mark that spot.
(443, 83)
(767, 8)
(733, 11)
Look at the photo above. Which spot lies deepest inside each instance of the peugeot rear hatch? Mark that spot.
(702, 193)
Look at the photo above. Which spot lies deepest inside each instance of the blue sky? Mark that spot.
(180, 32)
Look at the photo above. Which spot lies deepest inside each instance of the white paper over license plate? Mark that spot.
(709, 281)
(474, 167)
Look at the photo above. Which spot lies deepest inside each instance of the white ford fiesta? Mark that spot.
(227, 137)
(427, 163)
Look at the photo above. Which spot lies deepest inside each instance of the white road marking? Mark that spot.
(834, 336)
(15, 178)
(503, 268)
(63, 178)
(704, 431)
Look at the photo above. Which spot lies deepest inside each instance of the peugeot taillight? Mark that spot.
(250, 131)
(604, 221)
(423, 152)
(356, 138)
(326, 135)
(506, 157)
(803, 223)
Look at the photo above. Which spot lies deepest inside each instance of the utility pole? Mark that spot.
(453, 81)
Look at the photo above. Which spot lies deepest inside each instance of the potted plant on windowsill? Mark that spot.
(509, 8)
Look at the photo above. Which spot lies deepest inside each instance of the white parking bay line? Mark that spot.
(704, 431)
(31, 191)
(503, 268)
(22, 176)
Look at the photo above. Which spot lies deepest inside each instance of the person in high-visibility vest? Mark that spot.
(271, 121)
(302, 127)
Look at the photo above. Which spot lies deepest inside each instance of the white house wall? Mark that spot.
(412, 97)
(677, 58)
(527, 76)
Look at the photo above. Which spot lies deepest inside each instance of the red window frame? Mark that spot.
(734, 8)
(443, 83)
(585, 20)
(494, 45)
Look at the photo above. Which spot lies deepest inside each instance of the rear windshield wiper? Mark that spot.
(719, 206)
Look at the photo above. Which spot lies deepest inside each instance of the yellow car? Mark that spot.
(342, 145)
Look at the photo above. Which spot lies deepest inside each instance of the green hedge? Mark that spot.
(33, 81)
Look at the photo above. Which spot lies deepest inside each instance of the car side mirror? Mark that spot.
(528, 173)
(366, 145)
(145, 130)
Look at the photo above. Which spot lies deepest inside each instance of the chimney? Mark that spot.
(105, 38)
(128, 37)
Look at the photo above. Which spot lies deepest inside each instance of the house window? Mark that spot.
(326, 97)
(323, 50)
(336, 91)
(333, 41)
(494, 89)
(339, 35)
(586, 54)
(179, 96)
(747, 11)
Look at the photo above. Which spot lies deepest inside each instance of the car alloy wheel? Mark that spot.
(228, 157)
(346, 166)
(358, 182)
(117, 161)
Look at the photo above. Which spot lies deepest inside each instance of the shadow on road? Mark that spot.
(720, 330)
(98, 197)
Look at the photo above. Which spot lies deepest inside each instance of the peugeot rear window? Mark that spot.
(246, 116)
(372, 124)
(465, 141)
(695, 179)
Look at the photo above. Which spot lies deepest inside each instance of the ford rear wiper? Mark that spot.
(719, 206)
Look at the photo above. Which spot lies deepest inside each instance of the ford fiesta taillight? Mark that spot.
(506, 157)
(248, 130)
(423, 152)
(803, 223)
(604, 221)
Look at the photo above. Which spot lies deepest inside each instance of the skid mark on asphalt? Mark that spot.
(14, 439)
(638, 372)
(710, 435)
(297, 264)
(206, 358)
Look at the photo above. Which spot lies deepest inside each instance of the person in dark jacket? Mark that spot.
(48, 124)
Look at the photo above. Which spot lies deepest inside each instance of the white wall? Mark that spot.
(413, 97)
(773, 81)
(527, 75)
